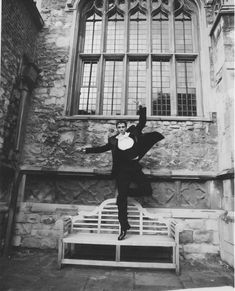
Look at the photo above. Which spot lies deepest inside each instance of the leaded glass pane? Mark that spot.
(136, 85)
(186, 89)
(113, 87)
(160, 33)
(93, 34)
(161, 88)
(88, 92)
(183, 34)
(138, 33)
(115, 34)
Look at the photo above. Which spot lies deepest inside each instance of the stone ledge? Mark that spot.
(181, 213)
(82, 171)
(136, 117)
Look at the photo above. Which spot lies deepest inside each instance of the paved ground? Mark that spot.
(33, 270)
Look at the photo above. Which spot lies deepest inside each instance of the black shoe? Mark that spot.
(122, 235)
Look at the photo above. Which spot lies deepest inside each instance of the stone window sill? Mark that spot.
(136, 117)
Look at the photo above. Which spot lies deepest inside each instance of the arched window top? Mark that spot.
(158, 6)
(94, 15)
(115, 12)
(138, 8)
(184, 6)
(160, 13)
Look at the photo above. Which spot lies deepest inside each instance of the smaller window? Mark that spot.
(93, 34)
(136, 85)
(186, 89)
(183, 33)
(161, 88)
(112, 88)
(88, 93)
(160, 33)
(138, 33)
(115, 34)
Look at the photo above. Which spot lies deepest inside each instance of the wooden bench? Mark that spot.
(101, 227)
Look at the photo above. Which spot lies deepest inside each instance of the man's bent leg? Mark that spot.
(143, 183)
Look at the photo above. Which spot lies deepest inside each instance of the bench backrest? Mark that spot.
(104, 219)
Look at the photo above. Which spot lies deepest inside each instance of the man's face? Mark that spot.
(121, 128)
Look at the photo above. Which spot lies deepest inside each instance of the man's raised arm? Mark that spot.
(142, 118)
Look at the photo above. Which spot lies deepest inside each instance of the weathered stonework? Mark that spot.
(81, 190)
(51, 142)
(20, 24)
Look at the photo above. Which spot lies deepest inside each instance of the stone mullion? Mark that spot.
(125, 64)
(173, 65)
(100, 71)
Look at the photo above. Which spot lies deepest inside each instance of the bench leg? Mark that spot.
(177, 261)
(118, 253)
(60, 252)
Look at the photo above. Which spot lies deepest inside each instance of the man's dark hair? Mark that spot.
(120, 122)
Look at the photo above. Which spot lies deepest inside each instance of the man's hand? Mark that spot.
(81, 150)
(139, 103)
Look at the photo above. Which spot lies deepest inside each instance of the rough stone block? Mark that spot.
(21, 217)
(57, 92)
(186, 236)
(202, 248)
(31, 242)
(16, 241)
(228, 188)
(50, 101)
(211, 224)
(23, 228)
(50, 220)
(194, 256)
(195, 223)
(60, 70)
(215, 238)
(226, 231)
(43, 233)
(48, 243)
(200, 236)
(33, 218)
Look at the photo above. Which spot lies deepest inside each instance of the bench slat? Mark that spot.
(119, 264)
(111, 239)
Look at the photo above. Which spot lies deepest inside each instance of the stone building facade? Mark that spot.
(191, 170)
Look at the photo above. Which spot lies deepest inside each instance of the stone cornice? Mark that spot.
(220, 8)
(179, 213)
(106, 173)
(131, 117)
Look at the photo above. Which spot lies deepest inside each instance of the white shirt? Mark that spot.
(124, 141)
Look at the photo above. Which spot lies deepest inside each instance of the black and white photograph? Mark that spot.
(117, 145)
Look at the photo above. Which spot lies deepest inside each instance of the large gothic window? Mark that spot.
(137, 50)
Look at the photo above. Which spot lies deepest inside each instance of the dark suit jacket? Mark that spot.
(145, 141)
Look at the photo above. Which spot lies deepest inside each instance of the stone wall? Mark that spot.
(51, 142)
(37, 226)
(223, 62)
(18, 39)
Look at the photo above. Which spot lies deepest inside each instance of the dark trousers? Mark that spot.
(130, 172)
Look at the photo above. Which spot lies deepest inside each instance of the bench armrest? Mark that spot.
(64, 225)
(175, 229)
